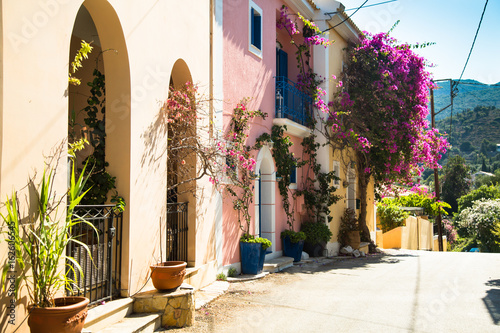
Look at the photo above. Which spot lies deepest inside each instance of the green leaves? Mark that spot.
(82, 53)
(40, 243)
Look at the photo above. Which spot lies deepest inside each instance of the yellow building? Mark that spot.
(329, 62)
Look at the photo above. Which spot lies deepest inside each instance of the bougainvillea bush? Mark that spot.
(480, 222)
(380, 112)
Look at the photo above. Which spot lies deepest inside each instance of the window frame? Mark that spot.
(251, 47)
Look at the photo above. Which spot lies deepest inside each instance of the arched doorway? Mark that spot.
(265, 213)
(98, 22)
(182, 170)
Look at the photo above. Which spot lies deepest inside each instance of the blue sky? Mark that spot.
(451, 24)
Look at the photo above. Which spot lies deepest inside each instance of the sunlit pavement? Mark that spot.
(402, 291)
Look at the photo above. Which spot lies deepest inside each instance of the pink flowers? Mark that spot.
(384, 113)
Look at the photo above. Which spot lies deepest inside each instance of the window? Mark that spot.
(255, 29)
(336, 171)
(293, 178)
(293, 175)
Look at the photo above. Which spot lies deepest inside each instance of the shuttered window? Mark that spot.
(255, 29)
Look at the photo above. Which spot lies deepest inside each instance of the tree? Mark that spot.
(380, 114)
(484, 192)
(467, 146)
(456, 181)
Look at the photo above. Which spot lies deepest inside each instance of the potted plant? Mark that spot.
(349, 229)
(293, 243)
(39, 242)
(253, 253)
(317, 235)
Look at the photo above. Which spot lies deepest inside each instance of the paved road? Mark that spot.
(406, 291)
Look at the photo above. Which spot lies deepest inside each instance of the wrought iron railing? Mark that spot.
(177, 231)
(291, 102)
(101, 269)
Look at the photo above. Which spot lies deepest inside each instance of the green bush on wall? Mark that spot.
(391, 215)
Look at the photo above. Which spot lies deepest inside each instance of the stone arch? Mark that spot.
(265, 198)
(116, 69)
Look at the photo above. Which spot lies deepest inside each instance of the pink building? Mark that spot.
(259, 62)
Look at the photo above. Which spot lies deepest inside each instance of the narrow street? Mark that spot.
(399, 291)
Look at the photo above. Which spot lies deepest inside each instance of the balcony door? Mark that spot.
(281, 63)
(281, 80)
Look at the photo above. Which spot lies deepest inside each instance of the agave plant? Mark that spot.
(40, 239)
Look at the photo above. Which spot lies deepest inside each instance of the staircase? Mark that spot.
(118, 317)
(149, 311)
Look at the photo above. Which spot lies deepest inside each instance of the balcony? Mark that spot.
(293, 107)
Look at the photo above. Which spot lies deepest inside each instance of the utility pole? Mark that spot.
(436, 180)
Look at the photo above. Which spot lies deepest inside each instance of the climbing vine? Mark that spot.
(317, 189)
(237, 174)
(285, 163)
(100, 182)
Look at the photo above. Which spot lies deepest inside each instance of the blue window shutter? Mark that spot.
(257, 20)
(252, 26)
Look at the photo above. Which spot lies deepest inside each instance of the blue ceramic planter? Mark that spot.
(252, 258)
(293, 250)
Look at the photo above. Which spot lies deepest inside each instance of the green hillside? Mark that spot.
(473, 126)
(474, 135)
(471, 93)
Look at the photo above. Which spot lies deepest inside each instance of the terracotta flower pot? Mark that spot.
(168, 274)
(68, 316)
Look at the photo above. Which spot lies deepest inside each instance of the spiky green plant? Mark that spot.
(39, 240)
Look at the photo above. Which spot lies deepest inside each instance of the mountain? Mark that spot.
(472, 126)
(471, 93)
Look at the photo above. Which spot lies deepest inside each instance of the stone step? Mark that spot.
(277, 264)
(106, 315)
(135, 323)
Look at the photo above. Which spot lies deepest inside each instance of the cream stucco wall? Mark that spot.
(146, 39)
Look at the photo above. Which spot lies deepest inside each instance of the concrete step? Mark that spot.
(209, 293)
(277, 264)
(135, 323)
(106, 315)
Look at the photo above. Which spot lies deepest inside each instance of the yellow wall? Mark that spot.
(336, 56)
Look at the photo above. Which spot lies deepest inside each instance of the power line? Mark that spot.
(348, 17)
(473, 42)
(375, 4)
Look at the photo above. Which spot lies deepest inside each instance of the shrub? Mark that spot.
(295, 237)
(348, 222)
(316, 232)
(266, 243)
(422, 199)
(391, 215)
(451, 233)
(231, 272)
(480, 221)
(221, 277)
